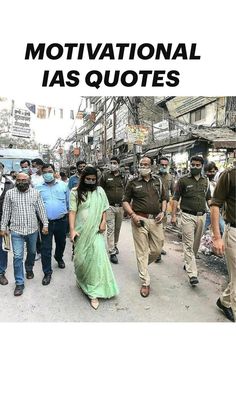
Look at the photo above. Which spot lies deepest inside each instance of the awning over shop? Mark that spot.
(224, 144)
(221, 137)
(178, 148)
(127, 160)
(153, 152)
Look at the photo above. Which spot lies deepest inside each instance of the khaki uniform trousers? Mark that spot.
(228, 297)
(114, 221)
(192, 231)
(148, 243)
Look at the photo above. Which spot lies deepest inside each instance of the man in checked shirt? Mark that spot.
(21, 204)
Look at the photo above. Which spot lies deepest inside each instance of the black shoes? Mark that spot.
(193, 281)
(46, 279)
(163, 252)
(61, 263)
(113, 259)
(19, 290)
(3, 279)
(158, 259)
(228, 312)
(29, 275)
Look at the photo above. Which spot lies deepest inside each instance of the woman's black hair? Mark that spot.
(82, 188)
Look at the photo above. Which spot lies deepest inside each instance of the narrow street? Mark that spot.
(171, 298)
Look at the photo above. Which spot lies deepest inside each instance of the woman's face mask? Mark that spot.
(90, 181)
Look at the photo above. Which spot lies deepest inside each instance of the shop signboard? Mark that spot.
(21, 123)
(137, 134)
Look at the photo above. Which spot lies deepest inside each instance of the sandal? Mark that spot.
(94, 303)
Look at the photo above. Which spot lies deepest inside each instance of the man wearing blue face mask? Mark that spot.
(25, 167)
(56, 200)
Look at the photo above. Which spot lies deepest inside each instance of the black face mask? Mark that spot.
(210, 177)
(195, 171)
(22, 187)
(90, 187)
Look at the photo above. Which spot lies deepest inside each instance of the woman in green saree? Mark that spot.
(87, 217)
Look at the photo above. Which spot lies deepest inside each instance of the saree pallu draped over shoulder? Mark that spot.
(92, 267)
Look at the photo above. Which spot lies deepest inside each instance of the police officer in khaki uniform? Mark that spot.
(194, 191)
(169, 185)
(225, 194)
(148, 198)
(113, 183)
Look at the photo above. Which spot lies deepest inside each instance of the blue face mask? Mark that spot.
(25, 170)
(48, 177)
(163, 169)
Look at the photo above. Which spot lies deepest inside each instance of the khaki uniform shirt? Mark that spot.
(113, 186)
(225, 193)
(146, 196)
(169, 184)
(193, 193)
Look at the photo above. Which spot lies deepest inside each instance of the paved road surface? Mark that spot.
(171, 298)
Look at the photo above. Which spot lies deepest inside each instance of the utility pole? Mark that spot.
(114, 129)
(105, 128)
(135, 108)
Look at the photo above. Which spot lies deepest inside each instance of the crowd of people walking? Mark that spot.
(37, 205)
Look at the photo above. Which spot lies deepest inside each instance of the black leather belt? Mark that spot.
(115, 205)
(198, 213)
(145, 215)
(57, 219)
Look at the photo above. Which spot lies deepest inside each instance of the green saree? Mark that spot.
(92, 267)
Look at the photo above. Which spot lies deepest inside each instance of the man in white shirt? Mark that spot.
(36, 177)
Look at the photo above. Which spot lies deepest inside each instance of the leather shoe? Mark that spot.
(113, 259)
(61, 264)
(228, 312)
(158, 259)
(163, 252)
(193, 281)
(144, 290)
(3, 280)
(19, 289)
(46, 279)
(29, 275)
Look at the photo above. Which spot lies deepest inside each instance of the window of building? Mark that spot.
(198, 114)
